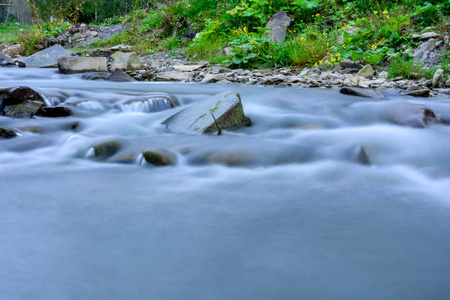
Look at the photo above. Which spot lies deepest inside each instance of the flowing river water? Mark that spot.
(292, 216)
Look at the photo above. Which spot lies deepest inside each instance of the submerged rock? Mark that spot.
(363, 157)
(96, 76)
(107, 149)
(120, 76)
(74, 64)
(54, 112)
(197, 119)
(159, 158)
(47, 58)
(413, 115)
(6, 133)
(361, 92)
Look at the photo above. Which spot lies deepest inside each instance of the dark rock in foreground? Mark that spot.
(197, 119)
(361, 92)
(6, 133)
(20, 102)
(54, 112)
(160, 157)
(413, 115)
(47, 58)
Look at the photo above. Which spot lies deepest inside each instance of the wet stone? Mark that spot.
(54, 112)
(6, 133)
(107, 149)
(159, 158)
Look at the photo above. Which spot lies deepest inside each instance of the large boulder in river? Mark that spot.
(413, 115)
(126, 61)
(278, 25)
(79, 64)
(197, 119)
(47, 58)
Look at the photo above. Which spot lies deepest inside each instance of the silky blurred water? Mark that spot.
(296, 218)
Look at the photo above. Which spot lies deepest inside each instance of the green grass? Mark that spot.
(10, 32)
(408, 68)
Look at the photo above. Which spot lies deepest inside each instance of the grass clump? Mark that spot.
(29, 39)
(410, 69)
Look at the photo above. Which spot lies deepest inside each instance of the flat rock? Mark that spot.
(197, 119)
(190, 68)
(172, 76)
(120, 76)
(47, 58)
(278, 25)
(368, 93)
(77, 64)
(126, 61)
(121, 47)
(417, 91)
(413, 115)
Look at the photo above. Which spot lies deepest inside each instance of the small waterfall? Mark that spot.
(90, 105)
(147, 106)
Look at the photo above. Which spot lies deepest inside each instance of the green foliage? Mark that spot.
(55, 27)
(408, 68)
(309, 49)
(29, 38)
(209, 47)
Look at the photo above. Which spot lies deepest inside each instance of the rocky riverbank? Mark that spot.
(162, 66)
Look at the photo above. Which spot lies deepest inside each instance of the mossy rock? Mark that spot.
(26, 109)
(197, 119)
(18, 95)
(159, 158)
(107, 149)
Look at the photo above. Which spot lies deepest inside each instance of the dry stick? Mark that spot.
(3, 4)
(217, 124)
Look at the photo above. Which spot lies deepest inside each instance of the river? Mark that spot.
(297, 217)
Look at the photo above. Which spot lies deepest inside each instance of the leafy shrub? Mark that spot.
(29, 38)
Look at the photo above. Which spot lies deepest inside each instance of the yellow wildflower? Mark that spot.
(317, 15)
(387, 17)
(375, 12)
(347, 7)
(385, 12)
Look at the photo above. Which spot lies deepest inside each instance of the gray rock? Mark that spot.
(209, 78)
(126, 61)
(426, 36)
(96, 76)
(278, 24)
(413, 115)
(6, 133)
(160, 158)
(120, 76)
(417, 91)
(361, 92)
(437, 78)
(47, 58)
(422, 52)
(366, 72)
(197, 119)
(172, 76)
(349, 64)
(190, 68)
(5, 60)
(72, 64)
(447, 83)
